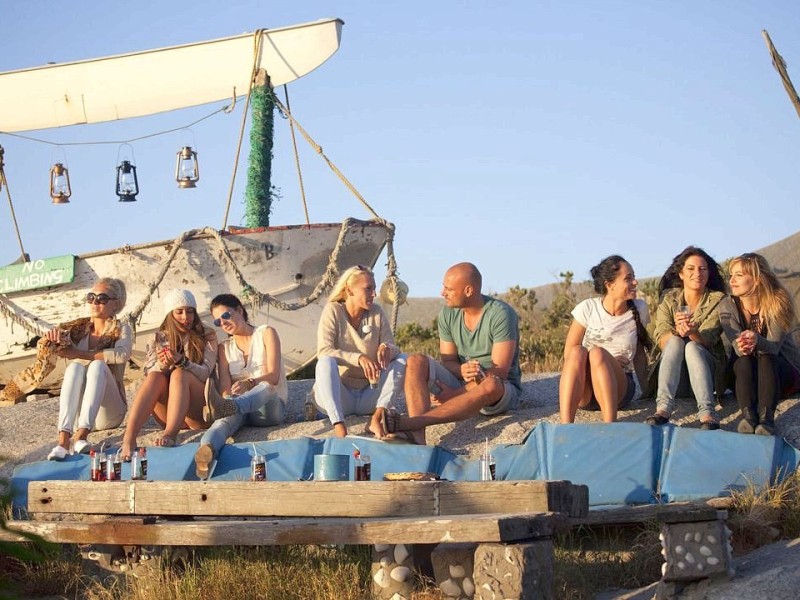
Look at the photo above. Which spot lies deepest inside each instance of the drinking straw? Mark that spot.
(356, 447)
(255, 452)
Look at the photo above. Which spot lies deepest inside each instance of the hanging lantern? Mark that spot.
(60, 189)
(127, 182)
(187, 171)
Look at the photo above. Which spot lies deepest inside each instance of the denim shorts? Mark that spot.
(626, 399)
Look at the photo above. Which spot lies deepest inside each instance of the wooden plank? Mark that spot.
(80, 497)
(676, 512)
(303, 499)
(465, 497)
(406, 530)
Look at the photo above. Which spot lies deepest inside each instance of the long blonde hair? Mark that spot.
(339, 292)
(776, 306)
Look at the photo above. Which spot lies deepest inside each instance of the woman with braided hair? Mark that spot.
(604, 354)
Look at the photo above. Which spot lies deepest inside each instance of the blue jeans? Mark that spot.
(337, 400)
(700, 365)
(259, 407)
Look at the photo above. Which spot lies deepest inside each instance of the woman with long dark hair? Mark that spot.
(688, 333)
(759, 321)
(251, 379)
(604, 352)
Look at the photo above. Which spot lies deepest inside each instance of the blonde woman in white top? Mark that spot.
(355, 346)
(252, 386)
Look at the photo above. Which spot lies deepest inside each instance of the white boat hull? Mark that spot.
(285, 262)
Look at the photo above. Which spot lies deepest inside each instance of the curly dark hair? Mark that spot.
(672, 279)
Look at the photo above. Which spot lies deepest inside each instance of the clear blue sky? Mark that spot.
(527, 137)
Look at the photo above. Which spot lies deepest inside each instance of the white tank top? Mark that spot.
(256, 358)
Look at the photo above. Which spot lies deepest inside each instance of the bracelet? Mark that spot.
(181, 364)
(251, 382)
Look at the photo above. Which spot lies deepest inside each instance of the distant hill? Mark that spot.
(783, 256)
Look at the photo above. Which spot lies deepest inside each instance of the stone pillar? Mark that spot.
(695, 550)
(514, 571)
(392, 566)
(453, 565)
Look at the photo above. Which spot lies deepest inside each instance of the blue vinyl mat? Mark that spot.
(622, 463)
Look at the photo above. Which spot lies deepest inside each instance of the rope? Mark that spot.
(4, 182)
(297, 159)
(256, 297)
(256, 51)
(19, 316)
(226, 109)
(332, 166)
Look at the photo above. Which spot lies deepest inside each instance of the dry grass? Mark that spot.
(591, 560)
(759, 517)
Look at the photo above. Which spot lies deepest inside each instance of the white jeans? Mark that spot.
(90, 398)
(336, 400)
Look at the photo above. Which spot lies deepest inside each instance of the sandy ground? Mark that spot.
(28, 430)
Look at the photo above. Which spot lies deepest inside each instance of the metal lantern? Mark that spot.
(127, 182)
(187, 171)
(60, 189)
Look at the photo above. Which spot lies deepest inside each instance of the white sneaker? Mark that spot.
(58, 453)
(82, 447)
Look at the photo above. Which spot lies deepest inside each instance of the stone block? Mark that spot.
(392, 572)
(514, 571)
(695, 550)
(453, 565)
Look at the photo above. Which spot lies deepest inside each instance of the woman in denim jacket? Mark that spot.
(688, 332)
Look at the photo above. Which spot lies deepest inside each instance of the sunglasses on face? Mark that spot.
(226, 316)
(93, 298)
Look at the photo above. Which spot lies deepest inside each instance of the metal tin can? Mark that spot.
(258, 468)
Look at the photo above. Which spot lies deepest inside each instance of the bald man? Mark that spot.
(479, 369)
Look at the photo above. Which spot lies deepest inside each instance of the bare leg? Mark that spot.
(608, 382)
(81, 434)
(184, 407)
(151, 391)
(418, 397)
(461, 407)
(573, 388)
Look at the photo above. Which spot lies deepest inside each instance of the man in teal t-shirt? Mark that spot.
(479, 369)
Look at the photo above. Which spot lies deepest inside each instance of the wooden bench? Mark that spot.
(493, 539)
(694, 536)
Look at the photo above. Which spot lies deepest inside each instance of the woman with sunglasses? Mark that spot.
(359, 367)
(179, 359)
(759, 321)
(98, 348)
(252, 380)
